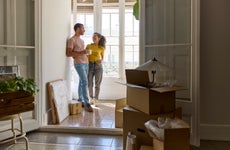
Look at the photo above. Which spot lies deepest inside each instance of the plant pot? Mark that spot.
(15, 102)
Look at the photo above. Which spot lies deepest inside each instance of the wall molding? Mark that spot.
(215, 132)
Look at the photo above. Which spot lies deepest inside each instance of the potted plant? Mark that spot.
(17, 95)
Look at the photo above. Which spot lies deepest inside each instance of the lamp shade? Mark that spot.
(153, 67)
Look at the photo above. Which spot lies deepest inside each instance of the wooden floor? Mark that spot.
(103, 116)
(70, 141)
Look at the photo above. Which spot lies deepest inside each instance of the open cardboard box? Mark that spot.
(149, 100)
(152, 100)
(134, 120)
(174, 139)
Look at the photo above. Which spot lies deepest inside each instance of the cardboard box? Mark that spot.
(145, 99)
(75, 107)
(145, 147)
(152, 100)
(174, 139)
(120, 104)
(133, 121)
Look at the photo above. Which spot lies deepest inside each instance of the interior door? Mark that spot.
(17, 45)
(169, 33)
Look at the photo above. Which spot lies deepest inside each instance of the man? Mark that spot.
(75, 49)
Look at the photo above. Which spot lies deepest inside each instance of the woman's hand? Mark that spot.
(99, 62)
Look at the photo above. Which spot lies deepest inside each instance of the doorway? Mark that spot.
(122, 52)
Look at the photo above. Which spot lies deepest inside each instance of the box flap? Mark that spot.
(120, 103)
(168, 89)
(137, 77)
(132, 85)
(146, 147)
(135, 86)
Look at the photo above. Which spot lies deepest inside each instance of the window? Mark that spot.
(113, 19)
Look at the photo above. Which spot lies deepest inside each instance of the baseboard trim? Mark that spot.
(215, 132)
(81, 130)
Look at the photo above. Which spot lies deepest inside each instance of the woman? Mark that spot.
(95, 64)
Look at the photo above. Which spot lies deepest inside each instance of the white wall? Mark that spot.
(215, 70)
(111, 89)
(55, 30)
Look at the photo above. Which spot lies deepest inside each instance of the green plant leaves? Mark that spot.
(6, 86)
(19, 84)
(136, 10)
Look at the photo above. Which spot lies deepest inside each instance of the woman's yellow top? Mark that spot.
(97, 52)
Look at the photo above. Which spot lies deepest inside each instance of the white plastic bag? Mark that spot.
(156, 128)
(153, 129)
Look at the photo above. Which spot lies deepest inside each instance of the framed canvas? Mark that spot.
(59, 100)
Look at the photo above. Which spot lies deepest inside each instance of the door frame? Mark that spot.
(192, 106)
(36, 122)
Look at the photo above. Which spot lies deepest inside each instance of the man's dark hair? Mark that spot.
(77, 25)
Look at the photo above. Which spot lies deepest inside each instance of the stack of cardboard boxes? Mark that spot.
(144, 104)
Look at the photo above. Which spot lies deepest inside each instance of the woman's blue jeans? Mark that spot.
(82, 70)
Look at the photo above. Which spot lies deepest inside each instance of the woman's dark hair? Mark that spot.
(77, 25)
(102, 40)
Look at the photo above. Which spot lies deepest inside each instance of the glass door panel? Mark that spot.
(25, 23)
(17, 43)
(170, 22)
